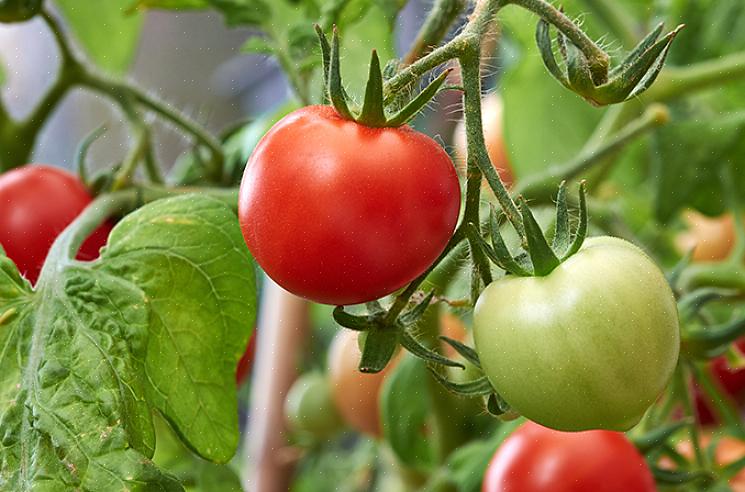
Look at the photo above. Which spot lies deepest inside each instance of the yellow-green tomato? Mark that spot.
(309, 407)
(589, 346)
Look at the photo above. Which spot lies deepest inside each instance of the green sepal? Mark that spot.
(336, 90)
(497, 407)
(372, 109)
(326, 59)
(477, 387)
(691, 303)
(678, 477)
(541, 255)
(658, 437)
(374, 308)
(464, 350)
(380, 345)
(416, 104)
(561, 240)
(357, 323)
(505, 259)
(578, 71)
(416, 349)
(581, 232)
(712, 341)
(545, 47)
(414, 314)
(639, 49)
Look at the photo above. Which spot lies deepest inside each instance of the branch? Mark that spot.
(434, 29)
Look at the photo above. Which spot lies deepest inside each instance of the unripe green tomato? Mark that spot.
(19, 10)
(309, 407)
(589, 346)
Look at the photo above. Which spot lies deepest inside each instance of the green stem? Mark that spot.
(596, 57)
(678, 81)
(434, 29)
(617, 18)
(543, 186)
(682, 380)
(299, 87)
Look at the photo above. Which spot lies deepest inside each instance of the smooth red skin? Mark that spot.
(247, 360)
(341, 213)
(731, 382)
(36, 204)
(537, 459)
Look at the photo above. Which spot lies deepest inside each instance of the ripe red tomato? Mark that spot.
(36, 204)
(731, 381)
(535, 458)
(341, 213)
(247, 360)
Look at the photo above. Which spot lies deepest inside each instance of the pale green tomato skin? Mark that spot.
(590, 346)
(309, 407)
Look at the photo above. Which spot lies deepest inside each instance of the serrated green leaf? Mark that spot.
(188, 255)
(82, 355)
(404, 408)
(72, 381)
(106, 31)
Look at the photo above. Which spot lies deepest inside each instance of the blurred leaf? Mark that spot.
(242, 12)
(543, 122)
(336, 467)
(404, 409)
(107, 33)
(689, 156)
(467, 465)
(257, 45)
(195, 474)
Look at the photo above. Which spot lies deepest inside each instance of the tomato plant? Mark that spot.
(38, 203)
(535, 458)
(353, 246)
(450, 320)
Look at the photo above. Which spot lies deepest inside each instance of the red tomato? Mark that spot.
(341, 213)
(244, 365)
(535, 458)
(36, 204)
(731, 382)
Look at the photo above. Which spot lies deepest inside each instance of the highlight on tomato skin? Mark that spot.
(37, 203)
(341, 213)
(537, 459)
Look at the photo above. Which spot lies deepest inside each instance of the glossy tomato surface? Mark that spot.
(341, 213)
(36, 204)
(538, 459)
(589, 346)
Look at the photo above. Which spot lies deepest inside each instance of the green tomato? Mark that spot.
(309, 407)
(589, 346)
(18, 10)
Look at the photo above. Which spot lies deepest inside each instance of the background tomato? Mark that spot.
(711, 238)
(589, 346)
(309, 407)
(731, 382)
(727, 450)
(36, 204)
(341, 213)
(356, 394)
(491, 109)
(537, 459)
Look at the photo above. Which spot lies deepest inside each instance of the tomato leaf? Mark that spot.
(159, 322)
(188, 256)
(404, 408)
(113, 53)
(689, 155)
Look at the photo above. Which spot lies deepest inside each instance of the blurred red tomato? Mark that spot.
(36, 204)
(536, 459)
(247, 360)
